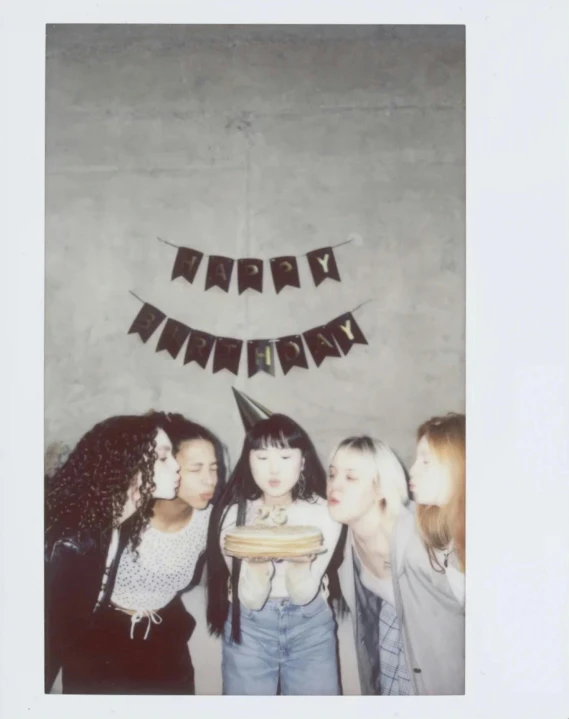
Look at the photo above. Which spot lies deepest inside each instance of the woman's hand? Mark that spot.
(301, 585)
(301, 560)
(258, 562)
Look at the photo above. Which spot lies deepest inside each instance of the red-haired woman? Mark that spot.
(435, 556)
(438, 487)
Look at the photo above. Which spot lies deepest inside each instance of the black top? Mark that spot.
(74, 570)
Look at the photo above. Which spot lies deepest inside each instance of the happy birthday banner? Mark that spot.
(334, 339)
(322, 264)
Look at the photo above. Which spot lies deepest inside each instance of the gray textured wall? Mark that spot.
(256, 141)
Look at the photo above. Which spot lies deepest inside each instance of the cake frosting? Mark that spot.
(258, 541)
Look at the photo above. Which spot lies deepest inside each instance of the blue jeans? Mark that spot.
(284, 642)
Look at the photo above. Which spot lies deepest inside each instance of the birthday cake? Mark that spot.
(262, 542)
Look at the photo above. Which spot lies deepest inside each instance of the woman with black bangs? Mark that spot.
(278, 629)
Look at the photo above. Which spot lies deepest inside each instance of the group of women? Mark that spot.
(142, 505)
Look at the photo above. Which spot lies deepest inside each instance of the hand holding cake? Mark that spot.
(308, 559)
(275, 537)
(258, 542)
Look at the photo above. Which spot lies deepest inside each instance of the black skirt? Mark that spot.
(155, 660)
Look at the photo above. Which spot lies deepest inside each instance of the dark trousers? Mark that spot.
(108, 661)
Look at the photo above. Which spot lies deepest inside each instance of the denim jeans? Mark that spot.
(284, 642)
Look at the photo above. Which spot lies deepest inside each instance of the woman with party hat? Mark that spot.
(278, 630)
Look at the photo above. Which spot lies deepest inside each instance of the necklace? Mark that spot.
(446, 555)
(385, 557)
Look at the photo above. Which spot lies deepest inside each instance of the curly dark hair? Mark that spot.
(88, 492)
(276, 431)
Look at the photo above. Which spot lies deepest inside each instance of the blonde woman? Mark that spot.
(408, 619)
(367, 491)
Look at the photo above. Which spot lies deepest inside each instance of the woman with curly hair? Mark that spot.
(154, 656)
(278, 630)
(99, 501)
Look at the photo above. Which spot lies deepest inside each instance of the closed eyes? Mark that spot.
(282, 456)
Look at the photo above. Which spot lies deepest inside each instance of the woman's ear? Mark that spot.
(377, 489)
(379, 495)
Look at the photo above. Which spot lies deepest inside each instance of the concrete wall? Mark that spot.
(256, 141)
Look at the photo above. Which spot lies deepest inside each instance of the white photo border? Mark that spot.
(517, 357)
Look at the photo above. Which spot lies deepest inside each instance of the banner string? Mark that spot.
(167, 243)
(332, 247)
(137, 297)
(373, 299)
(270, 339)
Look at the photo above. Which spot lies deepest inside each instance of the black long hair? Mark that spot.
(182, 430)
(88, 492)
(277, 431)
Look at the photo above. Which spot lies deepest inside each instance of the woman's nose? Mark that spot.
(208, 479)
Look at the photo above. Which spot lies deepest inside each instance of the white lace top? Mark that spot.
(165, 566)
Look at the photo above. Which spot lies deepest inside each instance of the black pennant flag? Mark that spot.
(321, 344)
(146, 322)
(347, 332)
(187, 263)
(219, 271)
(291, 352)
(260, 357)
(199, 348)
(285, 272)
(250, 275)
(173, 337)
(323, 265)
(227, 354)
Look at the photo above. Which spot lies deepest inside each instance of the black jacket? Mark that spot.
(74, 569)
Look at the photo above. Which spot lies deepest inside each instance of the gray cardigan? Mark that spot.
(430, 618)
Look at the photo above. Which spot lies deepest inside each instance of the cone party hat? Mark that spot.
(251, 411)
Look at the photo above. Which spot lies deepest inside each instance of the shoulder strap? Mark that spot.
(113, 569)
